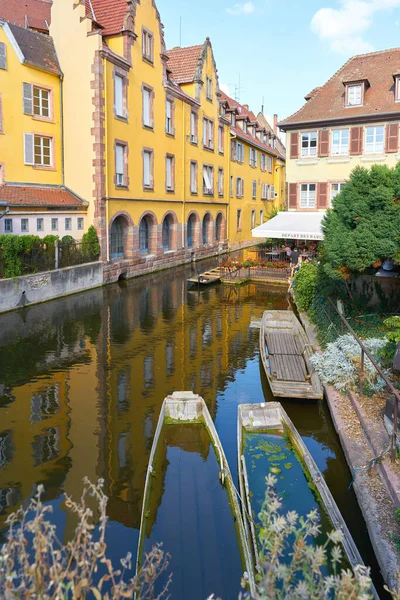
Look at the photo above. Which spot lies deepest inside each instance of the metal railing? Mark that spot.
(365, 352)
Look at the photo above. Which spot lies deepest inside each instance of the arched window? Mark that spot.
(166, 233)
(206, 228)
(117, 238)
(218, 224)
(191, 226)
(144, 235)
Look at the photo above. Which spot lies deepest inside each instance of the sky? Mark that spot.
(274, 52)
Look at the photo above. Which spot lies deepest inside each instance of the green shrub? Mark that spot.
(90, 244)
(67, 239)
(305, 285)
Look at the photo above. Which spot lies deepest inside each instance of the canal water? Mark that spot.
(82, 380)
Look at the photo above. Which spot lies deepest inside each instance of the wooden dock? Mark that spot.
(206, 278)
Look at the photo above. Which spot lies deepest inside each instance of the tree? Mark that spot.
(363, 227)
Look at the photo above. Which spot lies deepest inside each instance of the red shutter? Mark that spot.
(292, 195)
(322, 195)
(323, 142)
(392, 137)
(294, 145)
(356, 139)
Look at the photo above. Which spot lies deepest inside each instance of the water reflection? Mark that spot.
(82, 381)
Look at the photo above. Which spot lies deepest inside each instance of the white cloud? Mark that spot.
(224, 87)
(343, 27)
(247, 8)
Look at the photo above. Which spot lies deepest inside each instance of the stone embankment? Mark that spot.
(377, 489)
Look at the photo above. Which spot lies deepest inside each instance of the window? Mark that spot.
(220, 182)
(37, 150)
(309, 144)
(3, 56)
(253, 157)
(24, 225)
(117, 238)
(208, 134)
(221, 139)
(231, 186)
(336, 188)
(269, 164)
(170, 175)
(397, 87)
(119, 164)
(169, 127)
(148, 169)
(41, 102)
(80, 223)
(39, 224)
(209, 89)
(193, 177)
(144, 228)
(208, 180)
(194, 119)
(119, 96)
(272, 192)
(265, 191)
(340, 142)
(239, 152)
(374, 139)
(354, 95)
(68, 224)
(8, 226)
(54, 224)
(307, 195)
(147, 45)
(253, 219)
(245, 126)
(233, 120)
(263, 162)
(166, 233)
(239, 220)
(254, 190)
(261, 217)
(147, 107)
(239, 187)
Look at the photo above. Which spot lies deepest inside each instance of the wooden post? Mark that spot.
(56, 254)
(395, 422)
(362, 372)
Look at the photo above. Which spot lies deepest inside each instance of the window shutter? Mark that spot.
(292, 195)
(29, 154)
(322, 195)
(392, 137)
(294, 145)
(272, 192)
(356, 137)
(27, 93)
(323, 146)
(3, 56)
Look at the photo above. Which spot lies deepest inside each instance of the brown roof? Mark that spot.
(183, 63)
(18, 195)
(37, 48)
(110, 14)
(27, 13)
(327, 102)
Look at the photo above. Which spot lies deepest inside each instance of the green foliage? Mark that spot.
(393, 335)
(397, 514)
(67, 239)
(16, 254)
(305, 285)
(363, 228)
(90, 244)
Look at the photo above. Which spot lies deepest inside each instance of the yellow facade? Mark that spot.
(14, 123)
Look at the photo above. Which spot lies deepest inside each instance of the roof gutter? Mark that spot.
(355, 119)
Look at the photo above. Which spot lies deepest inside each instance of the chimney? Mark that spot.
(276, 124)
(246, 106)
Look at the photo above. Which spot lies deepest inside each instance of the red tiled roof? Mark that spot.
(18, 195)
(327, 102)
(32, 13)
(110, 14)
(244, 112)
(183, 63)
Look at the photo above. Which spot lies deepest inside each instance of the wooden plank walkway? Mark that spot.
(207, 277)
(288, 367)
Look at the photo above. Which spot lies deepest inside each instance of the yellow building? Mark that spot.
(31, 180)
(147, 138)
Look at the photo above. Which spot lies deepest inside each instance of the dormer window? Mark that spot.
(244, 126)
(354, 94)
(233, 120)
(397, 88)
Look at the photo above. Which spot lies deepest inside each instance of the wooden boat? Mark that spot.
(285, 352)
(261, 418)
(186, 408)
(206, 278)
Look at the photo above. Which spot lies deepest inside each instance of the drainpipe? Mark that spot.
(3, 214)
(62, 129)
(106, 150)
(184, 172)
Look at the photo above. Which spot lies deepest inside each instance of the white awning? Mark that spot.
(292, 226)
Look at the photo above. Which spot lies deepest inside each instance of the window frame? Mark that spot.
(170, 160)
(194, 127)
(209, 169)
(125, 151)
(253, 219)
(41, 137)
(68, 220)
(307, 191)
(170, 120)
(24, 225)
(239, 187)
(263, 162)
(147, 89)
(342, 151)
(221, 181)
(41, 228)
(123, 77)
(269, 163)
(80, 220)
(340, 185)
(376, 149)
(208, 133)
(48, 91)
(148, 186)
(194, 177)
(54, 221)
(310, 151)
(253, 158)
(221, 139)
(8, 225)
(254, 189)
(147, 45)
(351, 87)
(239, 219)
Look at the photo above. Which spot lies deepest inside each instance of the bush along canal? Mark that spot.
(82, 383)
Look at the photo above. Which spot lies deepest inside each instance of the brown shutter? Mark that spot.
(322, 195)
(392, 137)
(356, 138)
(294, 145)
(323, 142)
(292, 195)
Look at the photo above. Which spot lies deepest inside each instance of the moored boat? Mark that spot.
(285, 352)
(195, 516)
(268, 442)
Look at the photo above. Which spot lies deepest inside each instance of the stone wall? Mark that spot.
(32, 289)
